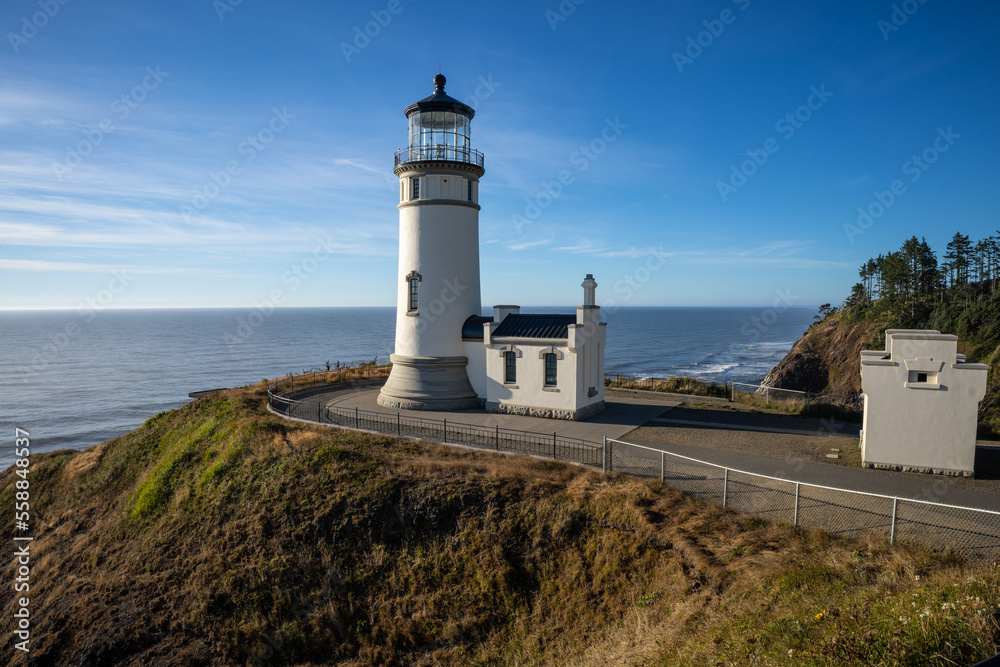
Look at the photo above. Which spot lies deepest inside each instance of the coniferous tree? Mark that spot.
(879, 275)
(993, 255)
(861, 296)
(858, 296)
(872, 269)
(928, 276)
(959, 250)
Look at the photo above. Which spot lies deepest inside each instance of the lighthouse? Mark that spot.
(438, 274)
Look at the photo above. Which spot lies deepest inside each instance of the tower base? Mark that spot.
(429, 383)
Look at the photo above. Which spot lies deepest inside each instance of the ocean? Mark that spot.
(73, 379)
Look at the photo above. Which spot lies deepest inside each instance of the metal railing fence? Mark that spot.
(342, 374)
(495, 438)
(975, 533)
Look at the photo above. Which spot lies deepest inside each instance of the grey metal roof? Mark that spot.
(472, 328)
(535, 326)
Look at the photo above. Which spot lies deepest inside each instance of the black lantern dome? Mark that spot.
(440, 101)
(439, 130)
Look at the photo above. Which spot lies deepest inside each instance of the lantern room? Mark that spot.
(439, 129)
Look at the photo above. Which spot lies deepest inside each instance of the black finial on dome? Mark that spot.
(440, 101)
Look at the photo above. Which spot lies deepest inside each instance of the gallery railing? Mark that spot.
(441, 153)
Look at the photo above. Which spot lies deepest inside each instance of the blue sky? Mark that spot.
(739, 138)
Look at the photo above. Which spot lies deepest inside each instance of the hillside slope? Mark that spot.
(218, 534)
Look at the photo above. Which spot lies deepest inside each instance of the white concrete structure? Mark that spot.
(546, 365)
(921, 404)
(448, 356)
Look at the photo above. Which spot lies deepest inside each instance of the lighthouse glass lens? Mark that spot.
(461, 136)
(439, 135)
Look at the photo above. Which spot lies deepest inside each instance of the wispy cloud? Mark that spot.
(524, 245)
(42, 265)
(601, 249)
(583, 246)
(634, 252)
(775, 253)
(357, 164)
(787, 262)
(772, 249)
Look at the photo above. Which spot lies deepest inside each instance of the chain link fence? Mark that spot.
(760, 393)
(680, 385)
(974, 533)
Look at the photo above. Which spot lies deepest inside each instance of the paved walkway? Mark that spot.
(619, 417)
(743, 427)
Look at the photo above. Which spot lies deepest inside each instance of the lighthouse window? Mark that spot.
(416, 187)
(439, 135)
(550, 370)
(510, 368)
(468, 186)
(414, 290)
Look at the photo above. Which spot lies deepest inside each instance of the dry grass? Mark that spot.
(675, 385)
(219, 534)
(817, 407)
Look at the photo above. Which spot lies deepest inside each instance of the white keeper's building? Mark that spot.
(448, 355)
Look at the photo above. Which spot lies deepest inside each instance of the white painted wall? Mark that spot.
(438, 183)
(930, 425)
(588, 339)
(439, 239)
(476, 368)
(579, 364)
(530, 389)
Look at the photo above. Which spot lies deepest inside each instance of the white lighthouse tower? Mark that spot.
(438, 277)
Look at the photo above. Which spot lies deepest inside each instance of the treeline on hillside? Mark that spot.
(957, 293)
(912, 281)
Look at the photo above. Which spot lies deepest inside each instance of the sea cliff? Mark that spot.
(827, 357)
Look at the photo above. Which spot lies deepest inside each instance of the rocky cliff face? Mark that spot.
(826, 358)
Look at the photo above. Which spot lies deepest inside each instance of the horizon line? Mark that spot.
(5, 309)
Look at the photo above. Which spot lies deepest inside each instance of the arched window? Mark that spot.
(413, 291)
